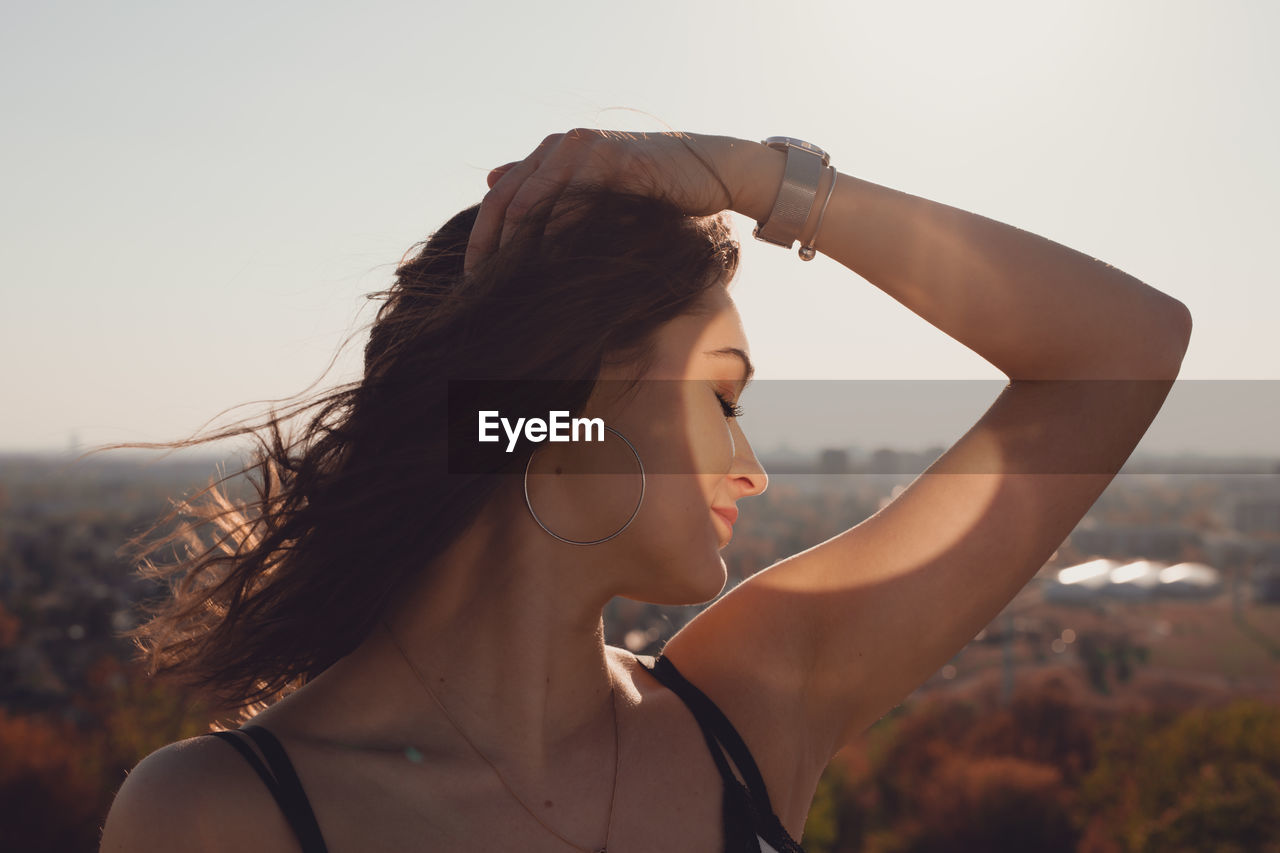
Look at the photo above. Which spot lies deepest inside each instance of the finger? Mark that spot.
(534, 189)
(498, 171)
(487, 229)
(575, 157)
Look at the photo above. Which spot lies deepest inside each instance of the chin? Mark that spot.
(710, 579)
(697, 583)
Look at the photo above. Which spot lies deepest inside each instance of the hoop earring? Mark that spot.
(529, 504)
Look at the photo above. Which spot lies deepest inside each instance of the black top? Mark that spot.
(750, 826)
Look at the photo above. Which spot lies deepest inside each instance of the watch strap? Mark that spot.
(796, 193)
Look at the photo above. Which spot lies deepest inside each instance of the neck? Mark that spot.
(510, 639)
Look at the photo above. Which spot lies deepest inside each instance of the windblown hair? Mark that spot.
(362, 501)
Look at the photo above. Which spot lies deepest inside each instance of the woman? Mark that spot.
(417, 614)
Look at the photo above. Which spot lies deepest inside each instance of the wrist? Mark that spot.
(759, 174)
(758, 178)
(821, 201)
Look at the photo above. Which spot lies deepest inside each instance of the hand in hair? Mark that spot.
(698, 172)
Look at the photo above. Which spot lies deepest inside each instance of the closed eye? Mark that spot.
(731, 410)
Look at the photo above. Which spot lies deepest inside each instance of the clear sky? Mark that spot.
(196, 197)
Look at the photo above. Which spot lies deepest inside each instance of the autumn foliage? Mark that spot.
(1052, 771)
(58, 777)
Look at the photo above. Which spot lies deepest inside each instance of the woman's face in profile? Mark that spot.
(695, 458)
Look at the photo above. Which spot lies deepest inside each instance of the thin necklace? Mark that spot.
(616, 745)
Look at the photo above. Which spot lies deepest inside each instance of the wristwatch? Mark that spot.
(805, 163)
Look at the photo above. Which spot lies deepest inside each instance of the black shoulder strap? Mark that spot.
(715, 726)
(285, 787)
(254, 761)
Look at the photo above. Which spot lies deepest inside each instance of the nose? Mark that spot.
(747, 472)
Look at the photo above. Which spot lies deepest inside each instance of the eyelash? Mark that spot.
(731, 410)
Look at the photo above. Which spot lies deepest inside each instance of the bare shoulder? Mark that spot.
(198, 795)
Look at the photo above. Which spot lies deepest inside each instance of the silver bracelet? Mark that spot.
(808, 253)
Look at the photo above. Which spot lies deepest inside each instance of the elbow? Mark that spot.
(1158, 352)
(1179, 336)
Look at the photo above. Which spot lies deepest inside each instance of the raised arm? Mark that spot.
(1032, 307)
(832, 638)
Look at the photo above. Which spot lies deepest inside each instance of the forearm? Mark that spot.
(1030, 306)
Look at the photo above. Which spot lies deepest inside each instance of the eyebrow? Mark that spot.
(749, 369)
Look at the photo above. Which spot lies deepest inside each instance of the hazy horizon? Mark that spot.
(1206, 417)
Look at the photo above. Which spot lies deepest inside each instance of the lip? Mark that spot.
(729, 514)
(727, 518)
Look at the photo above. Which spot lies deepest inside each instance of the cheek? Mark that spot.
(687, 453)
(712, 445)
(706, 432)
(679, 522)
(691, 436)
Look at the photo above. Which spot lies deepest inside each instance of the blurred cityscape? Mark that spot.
(1164, 601)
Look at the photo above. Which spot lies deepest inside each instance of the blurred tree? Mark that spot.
(135, 715)
(10, 627)
(1104, 655)
(1234, 809)
(993, 804)
(822, 825)
(1206, 780)
(49, 797)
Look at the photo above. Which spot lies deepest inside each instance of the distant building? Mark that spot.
(1190, 580)
(1137, 580)
(1078, 584)
(1255, 515)
(1266, 584)
(1134, 581)
(834, 461)
(1154, 541)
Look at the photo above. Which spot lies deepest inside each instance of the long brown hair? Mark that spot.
(362, 500)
